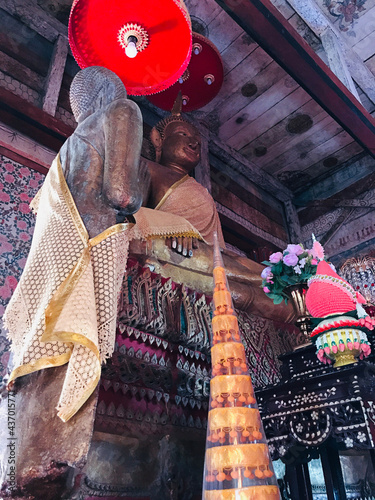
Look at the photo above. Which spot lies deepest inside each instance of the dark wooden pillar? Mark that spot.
(297, 478)
(333, 473)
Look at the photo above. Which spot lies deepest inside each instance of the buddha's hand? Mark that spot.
(183, 245)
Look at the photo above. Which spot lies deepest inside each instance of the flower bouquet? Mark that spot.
(295, 265)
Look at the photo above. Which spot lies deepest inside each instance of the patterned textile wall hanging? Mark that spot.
(18, 186)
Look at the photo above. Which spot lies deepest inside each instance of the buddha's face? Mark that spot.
(181, 146)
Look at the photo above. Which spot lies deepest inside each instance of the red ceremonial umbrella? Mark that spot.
(147, 44)
(201, 81)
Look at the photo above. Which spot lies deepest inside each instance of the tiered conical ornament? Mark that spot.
(237, 463)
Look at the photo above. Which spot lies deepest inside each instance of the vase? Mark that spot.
(297, 295)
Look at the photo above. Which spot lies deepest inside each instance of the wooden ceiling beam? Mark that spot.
(240, 164)
(333, 184)
(34, 122)
(35, 18)
(264, 23)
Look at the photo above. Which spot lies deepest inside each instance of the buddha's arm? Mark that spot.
(123, 142)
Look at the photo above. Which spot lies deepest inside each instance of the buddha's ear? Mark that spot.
(157, 142)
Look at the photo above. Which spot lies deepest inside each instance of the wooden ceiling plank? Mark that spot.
(238, 50)
(318, 169)
(366, 47)
(276, 136)
(223, 31)
(235, 79)
(262, 21)
(303, 145)
(318, 153)
(284, 140)
(204, 10)
(23, 55)
(257, 107)
(270, 118)
(265, 79)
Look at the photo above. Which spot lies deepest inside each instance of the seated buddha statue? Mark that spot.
(169, 188)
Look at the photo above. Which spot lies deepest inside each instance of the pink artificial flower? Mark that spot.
(24, 208)
(266, 272)
(296, 249)
(266, 289)
(317, 250)
(314, 262)
(275, 257)
(290, 259)
(4, 197)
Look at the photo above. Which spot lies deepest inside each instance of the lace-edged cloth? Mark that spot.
(64, 308)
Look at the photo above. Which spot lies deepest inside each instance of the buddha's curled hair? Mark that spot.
(92, 88)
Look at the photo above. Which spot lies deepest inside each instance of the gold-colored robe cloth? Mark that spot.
(64, 308)
(189, 199)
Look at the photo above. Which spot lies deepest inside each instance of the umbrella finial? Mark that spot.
(177, 106)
